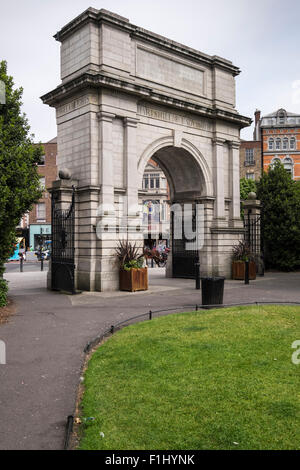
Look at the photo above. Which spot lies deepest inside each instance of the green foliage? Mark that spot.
(280, 197)
(241, 252)
(136, 264)
(129, 255)
(19, 181)
(3, 292)
(246, 187)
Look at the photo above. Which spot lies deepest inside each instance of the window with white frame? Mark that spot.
(285, 143)
(249, 157)
(276, 159)
(250, 176)
(288, 165)
(41, 211)
(271, 143)
(278, 144)
(281, 118)
(151, 181)
(292, 143)
(43, 182)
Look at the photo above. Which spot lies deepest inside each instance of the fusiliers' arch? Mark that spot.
(128, 95)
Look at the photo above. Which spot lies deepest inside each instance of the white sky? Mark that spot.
(261, 37)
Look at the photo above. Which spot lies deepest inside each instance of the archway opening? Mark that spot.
(173, 184)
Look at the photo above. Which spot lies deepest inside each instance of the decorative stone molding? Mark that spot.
(105, 116)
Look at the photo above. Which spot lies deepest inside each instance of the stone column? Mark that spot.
(218, 170)
(235, 210)
(106, 172)
(131, 172)
(131, 209)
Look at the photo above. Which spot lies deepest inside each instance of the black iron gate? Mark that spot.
(62, 256)
(183, 259)
(254, 239)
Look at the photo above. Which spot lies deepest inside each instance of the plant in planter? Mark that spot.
(240, 254)
(133, 276)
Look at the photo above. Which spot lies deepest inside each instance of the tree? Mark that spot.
(280, 197)
(247, 186)
(19, 180)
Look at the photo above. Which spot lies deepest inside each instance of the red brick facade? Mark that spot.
(49, 172)
(250, 159)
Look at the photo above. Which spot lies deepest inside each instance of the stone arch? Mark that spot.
(189, 161)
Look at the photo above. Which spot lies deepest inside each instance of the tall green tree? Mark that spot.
(247, 186)
(19, 180)
(280, 197)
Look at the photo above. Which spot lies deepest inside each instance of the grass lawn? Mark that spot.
(218, 379)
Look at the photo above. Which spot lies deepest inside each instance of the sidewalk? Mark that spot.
(46, 337)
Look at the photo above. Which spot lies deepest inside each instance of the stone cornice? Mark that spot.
(233, 144)
(218, 141)
(92, 15)
(130, 122)
(105, 116)
(89, 81)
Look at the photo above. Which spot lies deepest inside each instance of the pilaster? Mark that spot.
(218, 172)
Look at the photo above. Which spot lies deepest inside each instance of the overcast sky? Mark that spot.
(261, 37)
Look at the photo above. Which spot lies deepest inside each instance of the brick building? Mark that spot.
(39, 219)
(280, 134)
(250, 159)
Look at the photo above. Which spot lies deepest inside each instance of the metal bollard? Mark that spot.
(246, 272)
(42, 263)
(197, 269)
(21, 264)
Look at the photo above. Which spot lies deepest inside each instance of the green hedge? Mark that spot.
(3, 292)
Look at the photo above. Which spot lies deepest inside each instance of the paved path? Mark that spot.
(46, 337)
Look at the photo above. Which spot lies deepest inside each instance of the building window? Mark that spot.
(278, 143)
(41, 211)
(146, 182)
(250, 176)
(288, 166)
(249, 157)
(292, 143)
(43, 182)
(42, 160)
(281, 118)
(154, 180)
(271, 144)
(151, 181)
(285, 144)
(276, 159)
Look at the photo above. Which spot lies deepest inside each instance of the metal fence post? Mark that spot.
(197, 269)
(247, 272)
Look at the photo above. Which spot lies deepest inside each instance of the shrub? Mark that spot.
(129, 255)
(3, 292)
